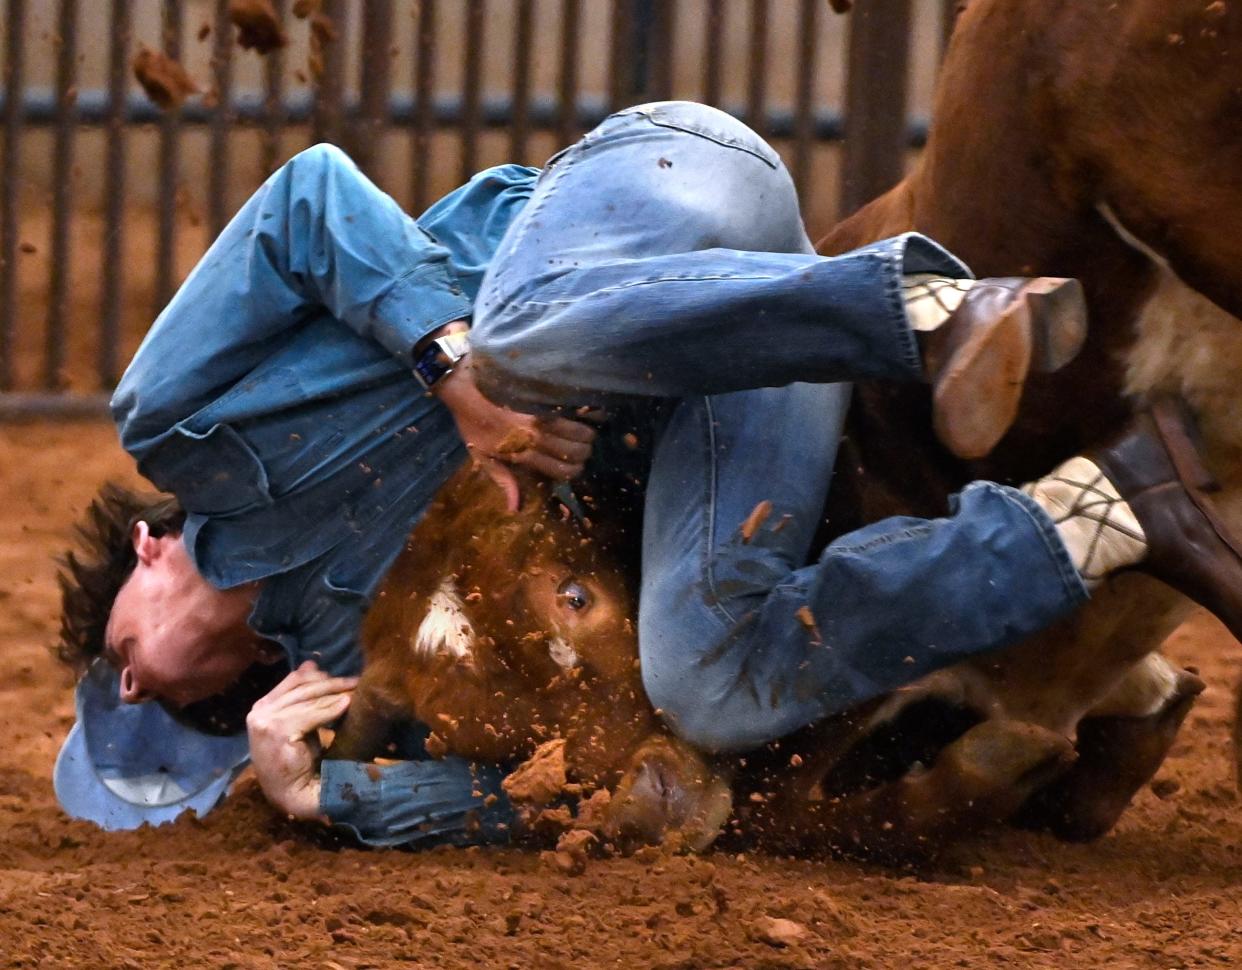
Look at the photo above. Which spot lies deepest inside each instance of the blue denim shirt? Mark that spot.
(274, 398)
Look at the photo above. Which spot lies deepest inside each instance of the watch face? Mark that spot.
(437, 358)
(430, 366)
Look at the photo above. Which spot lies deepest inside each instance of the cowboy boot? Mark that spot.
(978, 358)
(1157, 470)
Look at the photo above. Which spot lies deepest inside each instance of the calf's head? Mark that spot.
(501, 631)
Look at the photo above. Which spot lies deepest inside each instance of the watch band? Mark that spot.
(437, 359)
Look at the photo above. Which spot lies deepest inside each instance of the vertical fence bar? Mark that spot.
(523, 43)
(221, 121)
(875, 114)
(14, 56)
(326, 125)
(274, 118)
(621, 55)
(663, 27)
(642, 26)
(62, 194)
(472, 85)
(114, 196)
(366, 137)
(424, 91)
(567, 114)
(804, 99)
(756, 66)
(713, 61)
(169, 163)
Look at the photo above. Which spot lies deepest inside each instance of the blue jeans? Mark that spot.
(664, 256)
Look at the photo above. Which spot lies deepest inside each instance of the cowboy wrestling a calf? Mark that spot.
(332, 363)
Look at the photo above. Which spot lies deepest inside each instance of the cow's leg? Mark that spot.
(981, 778)
(368, 724)
(1118, 752)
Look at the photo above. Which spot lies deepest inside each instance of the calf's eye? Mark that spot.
(573, 595)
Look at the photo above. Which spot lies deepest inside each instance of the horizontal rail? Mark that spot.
(543, 113)
(21, 406)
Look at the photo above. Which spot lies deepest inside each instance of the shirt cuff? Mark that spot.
(419, 803)
(418, 304)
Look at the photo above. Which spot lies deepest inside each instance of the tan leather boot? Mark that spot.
(978, 359)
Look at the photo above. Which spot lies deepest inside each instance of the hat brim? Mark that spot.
(123, 766)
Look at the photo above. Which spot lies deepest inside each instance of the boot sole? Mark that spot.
(976, 399)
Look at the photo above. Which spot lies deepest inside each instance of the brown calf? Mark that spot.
(502, 632)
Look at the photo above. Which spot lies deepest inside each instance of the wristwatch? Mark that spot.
(436, 361)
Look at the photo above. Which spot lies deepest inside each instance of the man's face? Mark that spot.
(173, 636)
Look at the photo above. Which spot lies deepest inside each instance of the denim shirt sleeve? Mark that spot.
(416, 803)
(334, 236)
(317, 238)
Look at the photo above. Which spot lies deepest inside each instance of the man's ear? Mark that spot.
(145, 545)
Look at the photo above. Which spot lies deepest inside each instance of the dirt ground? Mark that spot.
(246, 889)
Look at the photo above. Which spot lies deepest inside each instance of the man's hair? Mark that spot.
(93, 573)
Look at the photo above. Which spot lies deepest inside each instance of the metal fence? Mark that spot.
(382, 76)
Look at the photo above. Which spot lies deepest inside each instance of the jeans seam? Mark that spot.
(709, 533)
(564, 162)
(652, 117)
(887, 538)
(895, 256)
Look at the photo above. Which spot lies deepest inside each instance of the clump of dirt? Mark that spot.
(322, 33)
(541, 778)
(165, 80)
(776, 931)
(516, 441)
(571, 853)
(258, 26)
(758, 515)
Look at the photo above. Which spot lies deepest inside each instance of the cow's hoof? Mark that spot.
(669, 794)
(977, 781)
(1116, 757)
(996, 765)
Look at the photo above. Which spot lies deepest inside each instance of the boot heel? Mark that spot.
(1058, 322)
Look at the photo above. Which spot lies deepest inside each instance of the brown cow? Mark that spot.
(1098, 141)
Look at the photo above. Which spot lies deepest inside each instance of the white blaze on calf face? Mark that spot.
(445, 630)
(562, 654)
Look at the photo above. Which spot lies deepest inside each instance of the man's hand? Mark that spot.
(284, 746)
(553, 446)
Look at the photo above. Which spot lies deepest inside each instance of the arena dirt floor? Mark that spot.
(247, 889)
